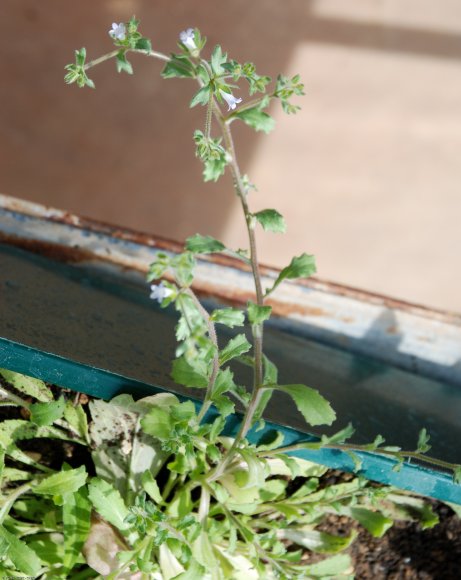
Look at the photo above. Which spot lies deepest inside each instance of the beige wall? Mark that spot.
(367, 175)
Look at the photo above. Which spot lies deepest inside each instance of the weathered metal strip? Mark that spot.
(100, 383)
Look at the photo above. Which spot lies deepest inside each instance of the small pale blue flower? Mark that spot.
(159, 292)
(187, 37)
(118, 31)
(230, 100)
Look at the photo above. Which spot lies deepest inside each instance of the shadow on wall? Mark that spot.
(124, 152)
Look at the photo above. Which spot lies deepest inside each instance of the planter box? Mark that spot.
(75, 311)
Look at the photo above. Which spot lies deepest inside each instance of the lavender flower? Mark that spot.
(230, 100)
(187, 37)
(159, 292)
(118, 31)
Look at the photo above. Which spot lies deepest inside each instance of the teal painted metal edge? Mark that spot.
(104, 384)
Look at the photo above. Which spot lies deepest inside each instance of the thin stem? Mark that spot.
(14, 398)
(11, 498)
(113, 54)
(204, 506)
(257, 329)
(363, 448)
(215, 363)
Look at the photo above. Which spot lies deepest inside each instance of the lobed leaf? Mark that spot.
(300, 267)
(62, 482)
(235, 347)
(29, 386)
(271, 220)
(108, 502)
(204, 244)
(256, 118)
(258, 314)
(315, 409)
(44, 414)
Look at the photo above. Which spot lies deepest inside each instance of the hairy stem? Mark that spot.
(215, 363)
(257, 329)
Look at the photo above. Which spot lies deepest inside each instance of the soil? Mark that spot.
(406, 552)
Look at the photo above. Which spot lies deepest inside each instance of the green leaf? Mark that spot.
(331, 567)
(315, 409)
(159, 266)
(271, 220)
(143, 44)
(229, 317)
(202, 97)
(122, 63)
(185, 374)
(235, 347)
(183, 266)
(27, 385)
(62, 482)
(319, 542)
(158, 422)
(76, 417)
(270, 372)
(204, 244)
(108, 502)
(217, 60)
(43, 414)
(179, 66)
(214, 168)
(423, 442)
(256, 118)
(300, 267)
(457, 474)
(22, 557)
(258, 314)
(150, 486)
(76, 517)
(194, 571)
(374, 522)
(340, 437)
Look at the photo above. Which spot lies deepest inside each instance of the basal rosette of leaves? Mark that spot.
(145, 507)
(165, 494)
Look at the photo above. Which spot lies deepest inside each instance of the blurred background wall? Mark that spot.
(367, 174)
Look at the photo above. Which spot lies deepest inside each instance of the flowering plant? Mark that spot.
(171, 495)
